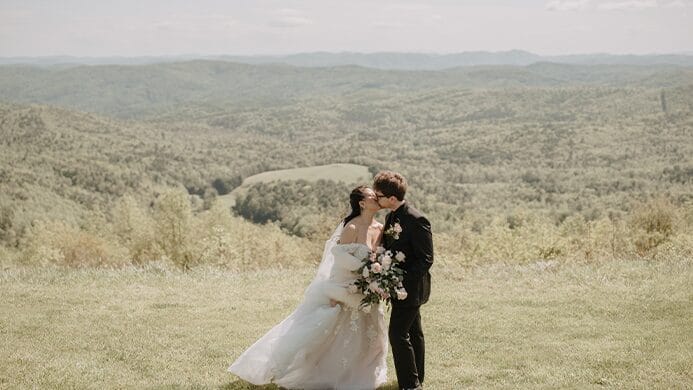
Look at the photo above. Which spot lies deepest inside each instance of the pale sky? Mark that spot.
(213, 27)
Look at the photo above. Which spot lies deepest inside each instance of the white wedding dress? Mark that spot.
(319, 346)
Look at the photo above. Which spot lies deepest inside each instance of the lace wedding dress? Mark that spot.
(319, 346)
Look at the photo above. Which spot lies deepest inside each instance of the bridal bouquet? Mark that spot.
(379, 279)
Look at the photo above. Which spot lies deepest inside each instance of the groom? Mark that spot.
(408, 231)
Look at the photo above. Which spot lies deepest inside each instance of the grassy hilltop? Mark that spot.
(613, 325)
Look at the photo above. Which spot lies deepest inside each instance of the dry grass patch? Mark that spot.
(620, 324)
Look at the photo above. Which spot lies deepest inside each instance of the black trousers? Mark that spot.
(408, 347)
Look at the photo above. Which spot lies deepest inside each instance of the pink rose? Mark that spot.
(401, 294)
(376, 268)
(372, 257)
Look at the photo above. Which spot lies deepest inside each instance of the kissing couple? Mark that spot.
(330, 341)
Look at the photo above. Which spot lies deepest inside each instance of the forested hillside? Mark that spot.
(481, 146)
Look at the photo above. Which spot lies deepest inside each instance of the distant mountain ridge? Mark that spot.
(152, 90)
(380, 60)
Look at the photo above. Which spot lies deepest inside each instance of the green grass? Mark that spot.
(619, 324)
(346, 173)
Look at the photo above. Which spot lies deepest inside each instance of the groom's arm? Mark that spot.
(422, 247)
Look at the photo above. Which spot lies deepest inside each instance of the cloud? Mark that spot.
(415, 7)
(567, 5)
(289, 18)
(179, 22)
(388, 24)
(609, 5)
(628, 4)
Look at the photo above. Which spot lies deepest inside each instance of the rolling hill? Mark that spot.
(556, 139)
(152, 91)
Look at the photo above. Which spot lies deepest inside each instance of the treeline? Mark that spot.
(518, 235)
(300, 207)
(169, 229)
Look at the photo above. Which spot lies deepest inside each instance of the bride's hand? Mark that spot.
(333, 303)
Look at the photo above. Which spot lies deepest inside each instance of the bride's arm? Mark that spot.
(379, 241)
(346, 260)
(339, 294)
(344, 254)
(348, 257)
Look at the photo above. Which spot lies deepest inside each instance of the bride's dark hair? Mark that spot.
(355, 197)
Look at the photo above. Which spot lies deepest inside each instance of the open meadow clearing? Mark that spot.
(619, 324)
(347, 173)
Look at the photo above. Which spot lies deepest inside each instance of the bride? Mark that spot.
(327, 342)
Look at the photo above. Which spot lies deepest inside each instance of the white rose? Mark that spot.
(373, 286)
(398, 228)
(376, 268)
(353, 289)
(365, 272)
(387, 262)
(399, 256)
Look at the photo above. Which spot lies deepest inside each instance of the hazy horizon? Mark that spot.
(37, 28)
(205, 55)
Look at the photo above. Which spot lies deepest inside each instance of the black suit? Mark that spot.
(406, 335)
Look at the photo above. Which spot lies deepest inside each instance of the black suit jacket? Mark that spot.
(416, 242)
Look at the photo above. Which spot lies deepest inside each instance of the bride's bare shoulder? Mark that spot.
(349, 234)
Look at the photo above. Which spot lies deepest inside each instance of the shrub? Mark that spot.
(59, 243)
(652, 224)
(7, 232)
(236, 243)
(135, 230)
(173, 226)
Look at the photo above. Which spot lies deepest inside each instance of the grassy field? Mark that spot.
(620, 324)
(347, 173)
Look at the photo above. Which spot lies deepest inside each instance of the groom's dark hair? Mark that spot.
(390, 184)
